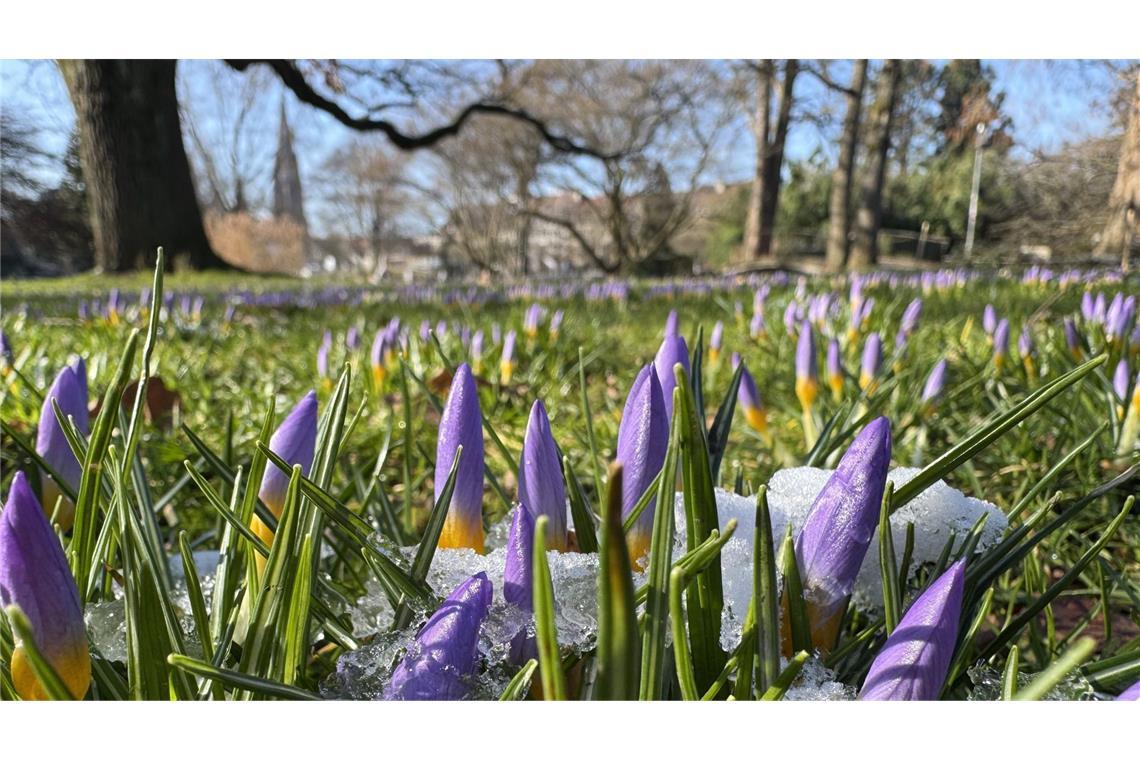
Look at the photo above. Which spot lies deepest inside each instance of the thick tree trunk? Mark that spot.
(865, 247)
(760, 130)
(839, 222)
(1122, 231)
(774, 163)
(140, 194)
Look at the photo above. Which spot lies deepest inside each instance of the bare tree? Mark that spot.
(659, 123)
(839, 204)
(868, 218)
(365, 197)
(484, 190)
(764, 196)
(139, 189)
(228, 123)
(1122, 231)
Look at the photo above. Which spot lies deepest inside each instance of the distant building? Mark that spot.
(288, 201)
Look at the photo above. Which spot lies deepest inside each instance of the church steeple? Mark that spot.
(287, 198)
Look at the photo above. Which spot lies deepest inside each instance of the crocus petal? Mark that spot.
(1131, 694)
(445, 654)
(914, 661)
(935, 383)
(34, 576)
(518, 579)
(833, 542)
(461, 425)
(673, 351)
(748, 396)
(541, 488)
(807, 381)
(642, 440)
(70, 391)
(294, 441)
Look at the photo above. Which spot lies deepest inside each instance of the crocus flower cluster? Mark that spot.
(35, 577)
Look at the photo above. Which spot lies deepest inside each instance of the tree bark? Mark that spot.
(139, 189)
(760, 129)
(839, 222)
(774, 162)
(865, 247)
(1122, 231)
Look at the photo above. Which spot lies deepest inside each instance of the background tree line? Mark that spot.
(616, 166)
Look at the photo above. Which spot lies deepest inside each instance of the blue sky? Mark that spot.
(1050, 102)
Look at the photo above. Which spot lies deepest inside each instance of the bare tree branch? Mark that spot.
(292, 78)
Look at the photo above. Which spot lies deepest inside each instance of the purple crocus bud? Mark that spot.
(716, 340)
(872, 360)
(294, 441)
(671, 323)
(1087, 306)
(425, 331)
(507, 361)
(642, 439)
(352, 339)
(1072, 338)
(461, 425)
(6, 355)
(1099, 309)
(757, 328)
(807, 375)
(518, 579)
(1131, 694)
(1025, 342)
(70, 391)
(556, 323)
(1120, 380)
(910, 316)
(839, 528)
(790, 318)
(989, 319)
(530, 320)
(35, 577)
(323, 361)
(379, 346)
(748, 396)
(673, 351)
(476, 351)
(915, 660)
(834, 368)
(935, 383)
(1001, 343)
(758, 299)
(541, 490)
(443, 658)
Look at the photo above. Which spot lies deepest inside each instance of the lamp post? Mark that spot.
(973, 215)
